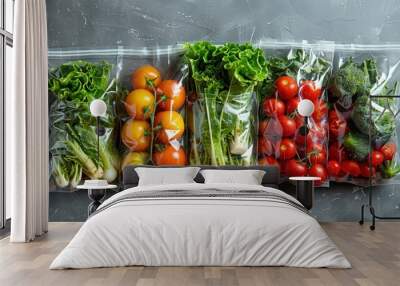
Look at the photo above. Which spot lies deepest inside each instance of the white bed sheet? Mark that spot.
(200, 231)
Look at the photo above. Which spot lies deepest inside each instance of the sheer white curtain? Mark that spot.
(27, 145)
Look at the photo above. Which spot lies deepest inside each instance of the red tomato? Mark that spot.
(268, 161)
(169, 155)
(388, 150)
(273, 107)
(337, 124)
(366, 171)
(333, 168)
(337, 152)
(310, 90)
(377, 158)
(265, 146)
(350, 167)
(291, 105)
(171, 95)
(287, 87)
(317, 157)
(288, 126)
(287, 149)
(320, 111)
(318, 170)
(295, 168)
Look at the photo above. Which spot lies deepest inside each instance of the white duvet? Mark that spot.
(200, 231)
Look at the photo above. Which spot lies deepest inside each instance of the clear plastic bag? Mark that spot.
(74, 82)
(357, 133)
(222, 107)
(297, 72)
(153, 111)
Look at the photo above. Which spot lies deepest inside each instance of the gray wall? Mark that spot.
(138, 23)
(90, 24)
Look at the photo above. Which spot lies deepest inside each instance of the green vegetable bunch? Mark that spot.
(73, 139)
(224, 79)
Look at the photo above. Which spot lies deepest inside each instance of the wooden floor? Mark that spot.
(375, 257)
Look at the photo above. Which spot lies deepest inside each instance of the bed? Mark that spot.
(198, 224)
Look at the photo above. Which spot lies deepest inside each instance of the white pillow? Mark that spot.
(166, 176)
(248, 177)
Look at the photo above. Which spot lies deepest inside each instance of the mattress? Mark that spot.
(201, 225)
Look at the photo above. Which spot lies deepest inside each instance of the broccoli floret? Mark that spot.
(349, 80)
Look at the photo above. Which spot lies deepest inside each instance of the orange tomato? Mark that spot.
(146, 76)
(170, 156)
(170, 95)
(136, 135)
(169, 125)
(139, 104)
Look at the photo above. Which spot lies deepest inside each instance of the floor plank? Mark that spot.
(375, 257)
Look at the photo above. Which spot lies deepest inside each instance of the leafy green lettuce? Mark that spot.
(224, 79)
(73, 141)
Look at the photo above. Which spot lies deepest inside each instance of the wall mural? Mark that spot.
(232, 104)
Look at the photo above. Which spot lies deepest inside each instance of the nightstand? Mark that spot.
(305, 190)
(95, 194)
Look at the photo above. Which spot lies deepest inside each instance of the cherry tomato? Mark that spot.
(169, 125)
(388, 150)
(350, 167)
(265, 146)
(273, 107)
(318, 170)
(295, 168)
(337, 124)
(333, 168)
(287, 87)
(291, 105)
(320, 111)
(170, 95)
(287, 149)
(377, 158)
(365, 171)
(317, 156)
(139, 104)
(337, 152)
(288, 126)
(146, 76)
(169, 155)
(136, 135)
(268, 161)
(310, 90)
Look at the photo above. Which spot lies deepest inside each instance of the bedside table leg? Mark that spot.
(305, 193)
(95, 196)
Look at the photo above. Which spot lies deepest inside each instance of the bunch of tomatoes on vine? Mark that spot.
(155, 127)
(282, 140)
